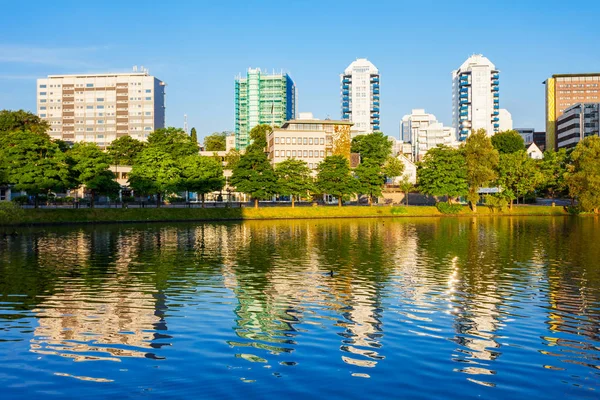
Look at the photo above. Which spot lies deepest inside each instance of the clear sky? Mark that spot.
(198, 47)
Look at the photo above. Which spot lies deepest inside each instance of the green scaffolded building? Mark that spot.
(262, 98)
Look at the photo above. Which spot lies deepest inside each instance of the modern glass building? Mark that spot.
(360, 95)
(475, 97)
(262, 98)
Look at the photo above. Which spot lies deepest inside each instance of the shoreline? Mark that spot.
(63, 217)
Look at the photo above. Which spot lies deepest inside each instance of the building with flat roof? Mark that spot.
(564, 91)
(262, 98)
(424, 132)
(577, 122)
(475, 97)
(100, 108)
(359, 89)
(526, 134)
(306, 138)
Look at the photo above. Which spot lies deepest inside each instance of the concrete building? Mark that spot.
(100, 108)
(564, 91)
(262, 98)
(534, 152)
(475, 97)
(360, 95)
(526, 134)
(530, 135)
(577, 122)
(306, 138)
(506, 122)
(424, 132)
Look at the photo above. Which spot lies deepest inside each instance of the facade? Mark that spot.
(539, 138)
(534, 152)
(563, 91)
(506, 122)
(410, 171)
(306, 138)
(100, 108)
(576, 123)
(526, 134)
(475, 97)
(424, 132)
(262, 98)
(359, 87)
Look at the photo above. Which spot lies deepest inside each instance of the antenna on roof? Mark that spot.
(135, 68)
(185, 124)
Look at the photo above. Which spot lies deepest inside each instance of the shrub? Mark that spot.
(496, 203)
(9, 212)
(21, 200)
(574, 210)
(447, 208)
(399, 210)
(175, 199)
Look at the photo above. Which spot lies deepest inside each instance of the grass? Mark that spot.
(102, 215)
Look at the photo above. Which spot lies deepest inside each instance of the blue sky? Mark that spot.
(197, 48)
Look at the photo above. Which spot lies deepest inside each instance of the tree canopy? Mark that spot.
(12, 121)
(124, 150)
(369, 179)
(155, 172)
(253, 173)
(584, 178)
(443, 172)
(518, 175)
(482, 160)
(92, 170)
(194, 135)
(554, 169)
(201, 175)
(294, 179)
(216, 141)
(374, 146)
(393, 167)
(508, 142)
(334, 178)
(173, 141)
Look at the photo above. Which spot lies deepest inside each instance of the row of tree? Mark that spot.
(502, 162)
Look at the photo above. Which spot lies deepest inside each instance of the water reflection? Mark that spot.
(462, 295)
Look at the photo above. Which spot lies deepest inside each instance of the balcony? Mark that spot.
(376, 127)
(464, 95)
(345, 110)
(495, 119)
(376, 98)
(496, 94)
(346, 104)
(375, 121)
(496, 106)
(495, 82)
(496, 125)
(375, 91)
(464, 113)
(496, 101)
(346, 93)
(345, 80)
(375, 104)
(495, 88)
(464, 101)
(375, 109)
(495, 76)
(495, 113)
(376, 86)
(345, 87)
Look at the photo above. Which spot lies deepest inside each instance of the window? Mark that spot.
(42, 107)
(276, 153)
(293, 153)
(89, 129)
(100, 99)
(322, 141)
(42, 86)
(100, 121)
(305, 141)
(305, 153)
(288, 140)
(100, 137)
(148, 113)
(148, 90)
(310, 153)
(42, 93)
(299, 140)
(289, 153)
(322, 152)
(100, 107)
(42, 115)
(148, 98)
(89, 107)
(293, 140)
(147, 128)
(89, 85)
(43, 101)
(310, 141)
(276, 140)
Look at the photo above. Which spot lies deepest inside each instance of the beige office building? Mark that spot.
(100, 108)
(307, 139)
(564, 91)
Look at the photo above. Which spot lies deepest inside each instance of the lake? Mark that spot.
(494, 308)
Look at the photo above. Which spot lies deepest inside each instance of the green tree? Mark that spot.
(554, 168)
(443, 172)
(124, 150)
(253, 173)
(155, 172)
(518, 175)
(92, 170)
(215, 142)
(62, 145)
(12, 121)
(406, 187)
(194, 135)
(374, 146)
(201, 175)
(334, 178)
(293, 179)
(369, 179)
(393, 167)
(34, 164)
(584, 177)
(508, 142)
(173, 141)
(482, 160)
(232, 158)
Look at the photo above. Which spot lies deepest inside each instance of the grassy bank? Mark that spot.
(80, 216)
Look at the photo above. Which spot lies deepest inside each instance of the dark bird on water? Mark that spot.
(331, 273)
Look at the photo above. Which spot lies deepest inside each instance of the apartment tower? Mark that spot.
(100, 108)
(360, 95)
(262, 98)
(564, 91)
(475, 97)
(424, 132)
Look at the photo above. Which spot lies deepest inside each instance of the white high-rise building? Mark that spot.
(100, 108)
(424, 132)
(506, 122)
(475, 97)
(360, 95)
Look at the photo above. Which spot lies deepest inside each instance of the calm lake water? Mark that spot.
(493, 308)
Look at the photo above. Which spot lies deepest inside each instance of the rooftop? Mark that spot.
(102, 75)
